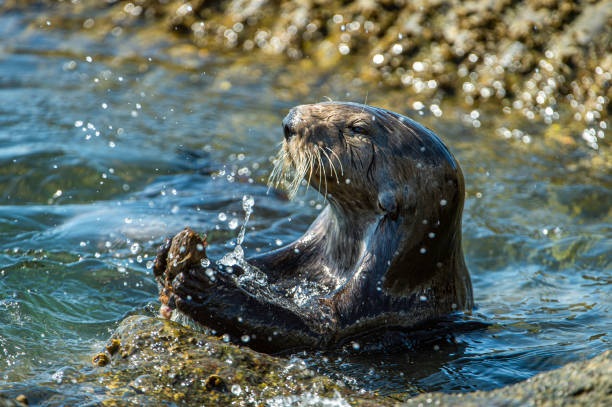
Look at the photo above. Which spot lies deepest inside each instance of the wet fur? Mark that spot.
(386, 251)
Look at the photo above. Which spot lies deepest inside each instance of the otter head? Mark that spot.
(382, 168)
(333, 147)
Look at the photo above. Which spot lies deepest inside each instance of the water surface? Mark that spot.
(106, 148)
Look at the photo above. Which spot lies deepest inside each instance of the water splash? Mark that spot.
(236, 257)
(247, 205)
(251, 275)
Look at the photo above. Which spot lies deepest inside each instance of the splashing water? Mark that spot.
(236, 257)
(251, 274)
(247, 205)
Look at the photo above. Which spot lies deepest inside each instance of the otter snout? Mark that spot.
(290, 123)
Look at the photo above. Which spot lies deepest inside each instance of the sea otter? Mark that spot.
(384, 254)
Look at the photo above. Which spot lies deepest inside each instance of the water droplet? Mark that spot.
(443, 202)
(58, 376)
(423, 298)
(89, 23)
(205, 262)
(245, 338)
(222, 216)
(236, 389)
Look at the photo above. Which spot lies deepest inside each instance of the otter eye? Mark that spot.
(358, 128)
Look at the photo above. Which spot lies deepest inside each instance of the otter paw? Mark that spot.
(186, 250)
(193, 284)
(159, 266)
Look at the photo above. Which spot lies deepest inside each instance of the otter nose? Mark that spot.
(289, 122)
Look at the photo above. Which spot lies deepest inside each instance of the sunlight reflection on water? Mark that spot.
(103, 160)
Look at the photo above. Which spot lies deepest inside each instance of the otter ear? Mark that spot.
(392, 200)
(387, 201)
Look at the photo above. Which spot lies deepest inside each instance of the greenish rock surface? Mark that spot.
(153, 361)
(587, 383)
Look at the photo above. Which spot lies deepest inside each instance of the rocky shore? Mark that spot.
(540, 58)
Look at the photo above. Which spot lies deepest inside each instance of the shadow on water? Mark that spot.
(102, 156)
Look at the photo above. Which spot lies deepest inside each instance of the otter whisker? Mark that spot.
(299, 173)
(322, 175)
(320, 170)
(331, 165)
(282, 172)
(333, 153)
(311, 167)
(278, 170)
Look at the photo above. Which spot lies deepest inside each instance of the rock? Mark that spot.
(587, 383)
(534, 57)
(158, 361)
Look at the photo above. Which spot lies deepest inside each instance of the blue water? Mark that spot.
(106, 147)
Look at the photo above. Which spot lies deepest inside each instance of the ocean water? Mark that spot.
(106, 148)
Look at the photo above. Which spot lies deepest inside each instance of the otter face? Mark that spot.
(331, 146)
